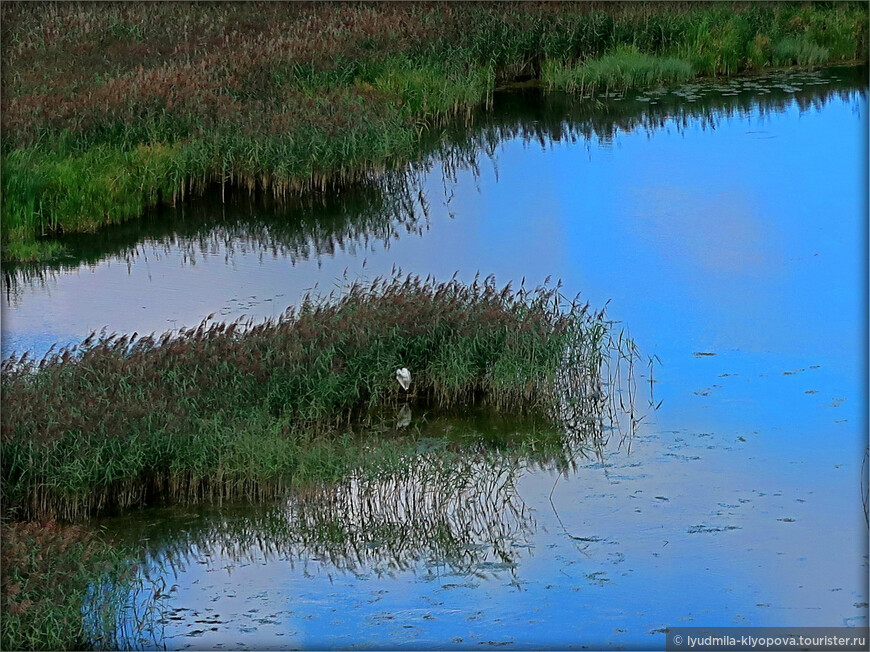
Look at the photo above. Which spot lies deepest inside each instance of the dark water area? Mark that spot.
(725, 223)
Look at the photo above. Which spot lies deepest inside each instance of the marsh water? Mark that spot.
(726, 225)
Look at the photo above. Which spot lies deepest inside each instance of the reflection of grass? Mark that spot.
(456, 505)
(298, 227)
(626, 68)
(109, 109)
(48, 572)
(218, 412)
(447, 493)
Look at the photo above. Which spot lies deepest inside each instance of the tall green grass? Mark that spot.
(224, 410)
(387, 205)
(624, 69)
(111, 108)
(799, 51)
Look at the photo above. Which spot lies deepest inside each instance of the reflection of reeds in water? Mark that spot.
(544, 118)
(445, 502)
(461, 513)
(432, 513)
(439, 514)
(297, 229)
(428, 505)
(595, 385)
(391, 203)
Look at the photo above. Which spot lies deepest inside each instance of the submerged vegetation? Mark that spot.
(108, 109)
(231, 410)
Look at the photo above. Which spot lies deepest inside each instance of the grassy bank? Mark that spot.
(50, 572)
(107, 109)
(221, 411)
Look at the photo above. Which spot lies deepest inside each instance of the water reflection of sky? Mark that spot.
(676, 534)
(739, 505)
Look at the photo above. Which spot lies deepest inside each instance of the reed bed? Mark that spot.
(108, 109)
(228, 410)
(390, 206)
(50, 574)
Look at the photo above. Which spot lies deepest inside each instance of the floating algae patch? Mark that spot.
(242, 410)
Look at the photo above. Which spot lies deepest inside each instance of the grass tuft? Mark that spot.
(624, 69)
(799, 51)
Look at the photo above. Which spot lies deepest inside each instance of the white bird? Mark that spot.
(404, 378)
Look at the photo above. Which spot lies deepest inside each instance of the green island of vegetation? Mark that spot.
(110, 108)
(224, 411)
